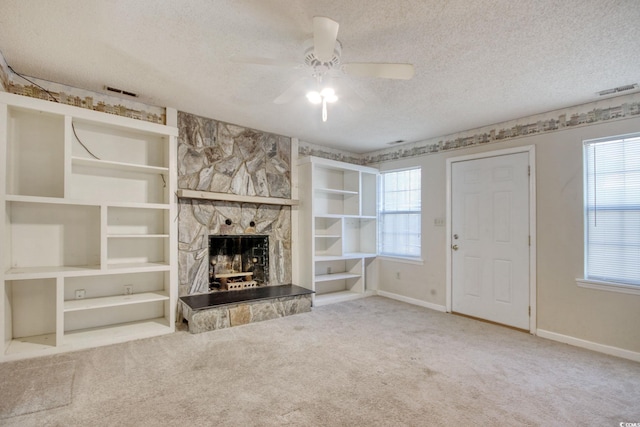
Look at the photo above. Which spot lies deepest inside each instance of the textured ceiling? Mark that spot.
(477, 62)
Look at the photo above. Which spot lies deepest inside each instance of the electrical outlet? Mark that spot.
(328, 270)
(128, 289)
(397, 275)
(80, 293)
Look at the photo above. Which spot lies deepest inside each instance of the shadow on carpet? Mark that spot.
(36, 389)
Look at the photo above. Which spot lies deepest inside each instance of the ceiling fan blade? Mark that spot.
(354, 101)
(347, 94)
(256, 60)
(298, 88)
(325, 33)
(382, 70)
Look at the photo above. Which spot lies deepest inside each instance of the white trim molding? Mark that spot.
(608, 286)
(412, 301)
(590, 345)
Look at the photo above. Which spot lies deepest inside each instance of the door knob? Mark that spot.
(454, 247)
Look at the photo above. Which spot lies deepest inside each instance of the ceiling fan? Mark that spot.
(322, 59)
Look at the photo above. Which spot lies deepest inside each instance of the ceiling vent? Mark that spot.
(120, 91)
(618, 89)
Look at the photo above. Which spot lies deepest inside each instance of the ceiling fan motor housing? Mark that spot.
(312, 61)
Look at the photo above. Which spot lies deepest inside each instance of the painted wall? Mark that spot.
(562, 307)
(64, 94)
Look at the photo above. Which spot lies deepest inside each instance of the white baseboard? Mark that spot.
(413, 301)
(601, 348)
(566, 339)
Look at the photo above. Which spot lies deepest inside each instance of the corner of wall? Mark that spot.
(5, 74)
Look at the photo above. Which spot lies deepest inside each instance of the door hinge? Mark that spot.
(529, 311)
(529, 170)
(529, 240)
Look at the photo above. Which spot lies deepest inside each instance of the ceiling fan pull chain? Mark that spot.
(324, 109)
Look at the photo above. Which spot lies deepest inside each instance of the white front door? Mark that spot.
(490, 238)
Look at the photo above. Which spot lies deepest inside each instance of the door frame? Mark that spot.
(531, 151)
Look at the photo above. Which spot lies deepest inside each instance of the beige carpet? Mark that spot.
(371, 362)
(35, 388)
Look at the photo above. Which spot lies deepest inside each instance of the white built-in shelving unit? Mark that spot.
(90, 244)
(338, 217)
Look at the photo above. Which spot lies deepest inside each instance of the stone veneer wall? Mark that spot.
(224, 158)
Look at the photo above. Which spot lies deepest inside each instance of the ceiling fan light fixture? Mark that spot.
(327, 92)
(329, 95)
(314, 97)
(326, 95)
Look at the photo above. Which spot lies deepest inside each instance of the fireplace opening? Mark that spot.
(238, 262)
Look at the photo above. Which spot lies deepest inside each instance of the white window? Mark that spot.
(612, 212)
(400, 213)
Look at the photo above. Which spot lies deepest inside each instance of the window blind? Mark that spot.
(400, 213)
(612, 210)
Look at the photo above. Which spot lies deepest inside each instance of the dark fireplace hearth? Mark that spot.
(238, 262)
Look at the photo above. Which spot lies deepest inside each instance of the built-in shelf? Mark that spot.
(334, 297)
(106, 164)
(77, 226)
(119, 332)
(77, 202)
(141, 266)
(226, 197)
(18, 273)
(338, 219)
(137, 236)
(335, 276)
(334, 216)
(337, 191)
(48, 200)
(37, 343)
(355, 255)
(113, 301)
(360, 255)
(135, 205)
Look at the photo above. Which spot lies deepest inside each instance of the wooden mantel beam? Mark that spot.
(226, 197)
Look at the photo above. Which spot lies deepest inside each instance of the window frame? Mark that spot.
(585, 281)
(410, 259)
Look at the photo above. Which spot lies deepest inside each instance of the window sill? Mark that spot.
(608, 286)
(415, 261)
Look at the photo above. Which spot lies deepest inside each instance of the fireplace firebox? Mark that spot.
(238, 262)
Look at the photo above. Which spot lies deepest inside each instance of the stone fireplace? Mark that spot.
(220, 158)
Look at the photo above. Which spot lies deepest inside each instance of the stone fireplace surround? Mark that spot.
(235, 308)
(223, 158)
